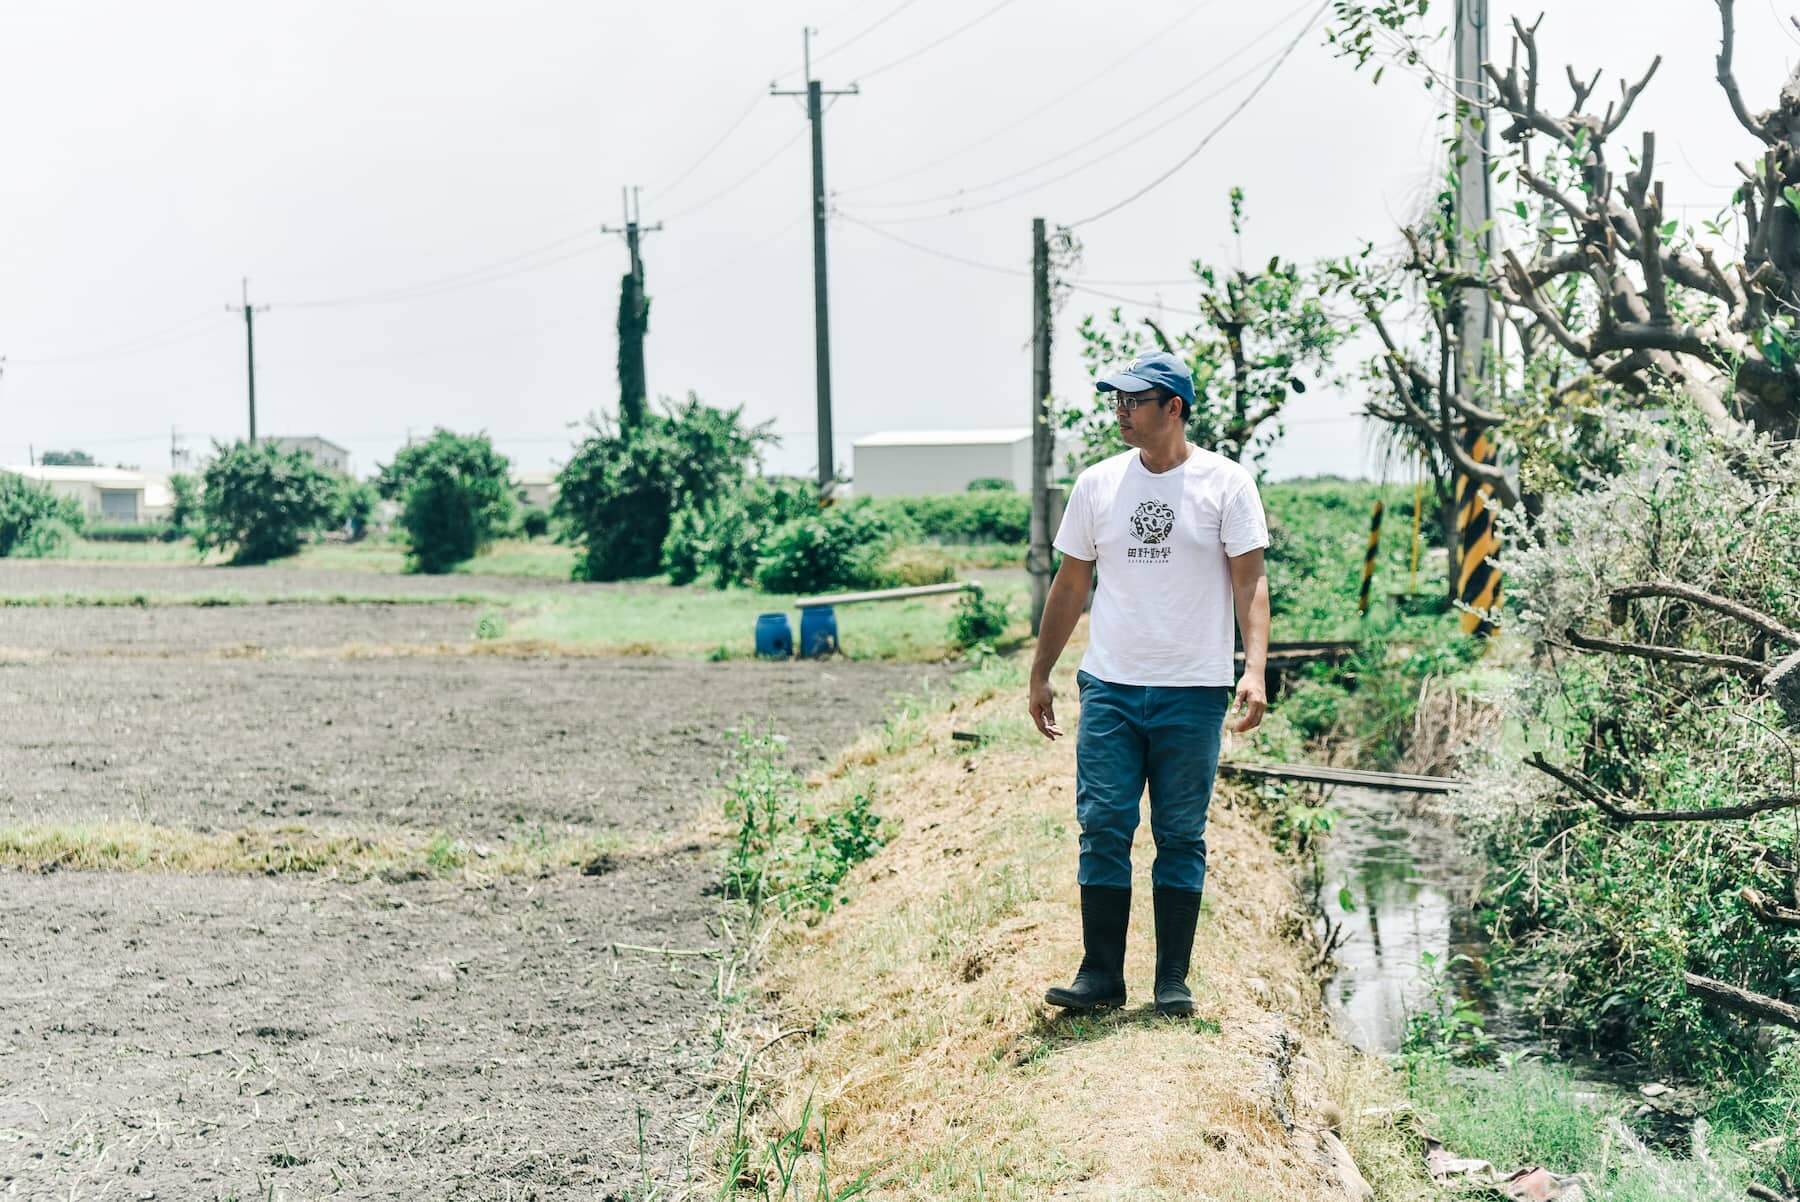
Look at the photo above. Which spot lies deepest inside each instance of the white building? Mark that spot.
(538, 488)
(914, 462)
(105, 494)
(325, 453)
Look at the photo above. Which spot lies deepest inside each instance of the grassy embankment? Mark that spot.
(913, 1043)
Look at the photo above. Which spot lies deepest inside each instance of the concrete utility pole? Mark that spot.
(815, 113)
(1472, 238)
(1043, 436)
(634, 316)
(250, 312)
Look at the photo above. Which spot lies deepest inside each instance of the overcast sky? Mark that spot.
(437, 171)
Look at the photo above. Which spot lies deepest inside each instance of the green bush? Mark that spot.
(621, 490)
(990, 484)
(353, 505)
(970, 517)
(977, 619)
(534, 522)
(33, 520)
(184, 513)
(455, 498)
(837, 548)
(262, 503)
(721, 539)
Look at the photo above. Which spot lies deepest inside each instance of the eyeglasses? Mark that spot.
(1129, 401)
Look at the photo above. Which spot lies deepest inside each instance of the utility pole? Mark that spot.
(815, 113)
(1472, 238)
(1043, 437)
(250, 312)
(634, 315)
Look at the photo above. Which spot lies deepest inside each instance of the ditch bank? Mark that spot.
(903, 1043)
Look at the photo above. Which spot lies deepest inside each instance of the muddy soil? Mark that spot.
(31, 578)
(211, 1037)
(230, 629)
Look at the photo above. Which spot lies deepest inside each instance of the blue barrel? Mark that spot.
(774, 637)
(818, 632)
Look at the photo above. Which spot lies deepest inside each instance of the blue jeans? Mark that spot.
(1133, 735)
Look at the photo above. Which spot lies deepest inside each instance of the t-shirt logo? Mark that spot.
(1152, 522)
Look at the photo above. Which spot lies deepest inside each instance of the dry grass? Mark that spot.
(127, 846)
(943, 1074)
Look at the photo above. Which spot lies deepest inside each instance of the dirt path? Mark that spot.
(29, 578)
(204, 1037)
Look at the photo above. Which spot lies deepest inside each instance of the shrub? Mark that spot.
(620, 491)
(33, 520)
(990, 484)
(353, 505)
(836, 548)
(184, 512)
(723, 539)
(262, 502)
(122, 532)
(977, 619)
(971, 517)
(534, 522)
(454, 495)
(914, 565)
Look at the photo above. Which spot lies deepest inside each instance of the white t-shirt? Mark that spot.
(1163, 610)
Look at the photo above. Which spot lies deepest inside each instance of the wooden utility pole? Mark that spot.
(1043, 435)
(250, 312)
(1472, 237)
(815, 113)
(634, 316)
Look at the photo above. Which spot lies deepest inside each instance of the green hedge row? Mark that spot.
(971, 517)
(124, 532)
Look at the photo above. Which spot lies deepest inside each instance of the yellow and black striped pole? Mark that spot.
(1478, 571)
(1362, 601)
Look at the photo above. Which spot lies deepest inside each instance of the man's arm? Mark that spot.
(1062, 609)
(1250, 593)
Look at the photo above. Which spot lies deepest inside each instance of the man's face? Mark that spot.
(1146, 417)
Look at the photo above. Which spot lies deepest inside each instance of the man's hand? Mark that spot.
(1043, 710)
(1252, 699)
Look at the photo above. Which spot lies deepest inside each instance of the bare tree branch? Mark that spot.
(1674, 655)
(1743, 1001)
(1687, 592)
(1610, 805)
(1728, 81)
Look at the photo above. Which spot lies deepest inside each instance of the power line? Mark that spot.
(930, 46)
(525, 261)
(935, 253)
(744, 116)
(743, 179)
(1096, 160)
(1214, 131)
(1142, 45)
(864, 32)
(154, 340)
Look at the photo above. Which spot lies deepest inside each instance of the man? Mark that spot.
(1177, 533)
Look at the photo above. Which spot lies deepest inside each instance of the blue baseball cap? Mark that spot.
(1158, 369)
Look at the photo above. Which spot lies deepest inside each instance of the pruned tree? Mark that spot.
(1260, 333)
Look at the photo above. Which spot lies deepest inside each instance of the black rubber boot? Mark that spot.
(1176, 912)
(1100, 981)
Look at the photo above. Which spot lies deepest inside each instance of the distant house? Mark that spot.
(903, 462)
(536, 489)
(326, 453)
(105, 494)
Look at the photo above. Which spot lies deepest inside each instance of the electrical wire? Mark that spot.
(1215, 130)
(866, 30)
(156, 340)
(1102, 73)
(930, 46)
(756, 102)
(525, 261)
(743, 179)
(934, 252)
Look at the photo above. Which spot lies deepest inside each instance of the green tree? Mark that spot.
(66, 459)
(352, 505)
(262, 502)
(620, 490)
(33, 520)
(454, 497)
(184, 511)
(1263, 331)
